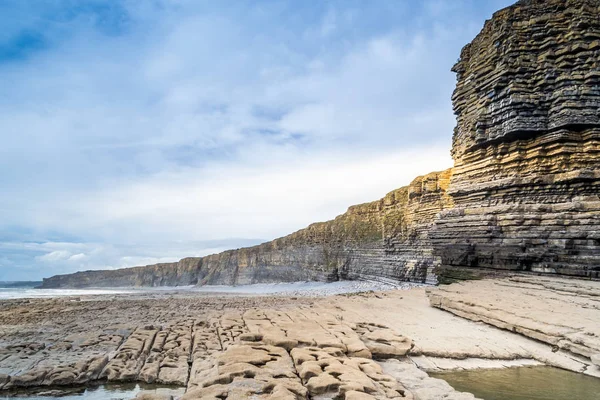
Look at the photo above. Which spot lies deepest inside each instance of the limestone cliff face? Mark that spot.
(526, 179)
(385, 239)
(524, 193)
(181, 273)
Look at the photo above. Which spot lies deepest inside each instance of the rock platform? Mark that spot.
(563, 313)
(374, 345)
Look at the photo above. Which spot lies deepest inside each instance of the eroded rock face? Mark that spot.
(533, 69)
(526, 180)
(524, 193)
(382, 240)
(184, 272)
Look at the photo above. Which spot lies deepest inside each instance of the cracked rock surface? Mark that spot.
(375, 345)
(217, 347)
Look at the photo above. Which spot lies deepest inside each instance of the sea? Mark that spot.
(24, 290)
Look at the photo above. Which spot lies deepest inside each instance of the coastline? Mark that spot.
(165, 337)
(304, 288)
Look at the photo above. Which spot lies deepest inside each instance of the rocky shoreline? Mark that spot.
(370, 345)
(521, 204)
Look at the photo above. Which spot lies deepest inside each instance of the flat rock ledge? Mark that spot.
(563, 313)
(257, 353)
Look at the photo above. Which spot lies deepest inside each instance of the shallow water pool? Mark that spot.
(525, 383)
(126, 391)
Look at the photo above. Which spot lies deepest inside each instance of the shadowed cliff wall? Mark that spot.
(526, 180)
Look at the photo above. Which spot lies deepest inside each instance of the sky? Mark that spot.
(135, 132)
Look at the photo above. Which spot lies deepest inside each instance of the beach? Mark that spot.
(209, 342)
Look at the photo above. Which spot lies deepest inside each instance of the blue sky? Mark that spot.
(136, 132)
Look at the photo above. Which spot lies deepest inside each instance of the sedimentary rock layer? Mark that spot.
(526, 179)
(524, 193)
(533, 307)
(384, 239)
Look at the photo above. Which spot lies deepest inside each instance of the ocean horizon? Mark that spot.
(10, 290)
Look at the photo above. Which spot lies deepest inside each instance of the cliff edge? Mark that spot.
(382, 240)
(524, 193)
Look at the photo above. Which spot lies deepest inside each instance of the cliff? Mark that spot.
(526, 179)
(384, 239)
(524, 193)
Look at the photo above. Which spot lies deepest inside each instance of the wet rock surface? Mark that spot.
(419, 383)
(217, 348)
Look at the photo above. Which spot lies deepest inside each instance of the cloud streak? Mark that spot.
(144, 131)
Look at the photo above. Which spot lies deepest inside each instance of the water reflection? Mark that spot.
(111, 391)
(526, 383)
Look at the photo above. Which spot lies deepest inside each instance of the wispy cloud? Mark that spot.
(141, 130)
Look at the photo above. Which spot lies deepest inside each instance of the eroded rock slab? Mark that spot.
(329, 373)
(383, 342)
(281, 348)
(131, 356)
(421, 384)
(562, 313)
(250, 371)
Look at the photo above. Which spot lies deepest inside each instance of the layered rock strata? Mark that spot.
(524, 193)
(382, 240)
(526, 179)
(533, 307)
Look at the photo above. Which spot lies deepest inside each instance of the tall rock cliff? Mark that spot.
(526, 179)
(524, 194)
(383, 240)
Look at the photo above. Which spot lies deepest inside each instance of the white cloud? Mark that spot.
(200, 123)
(62, 257)
(77, 257)
(262, 202)
(54, 256)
